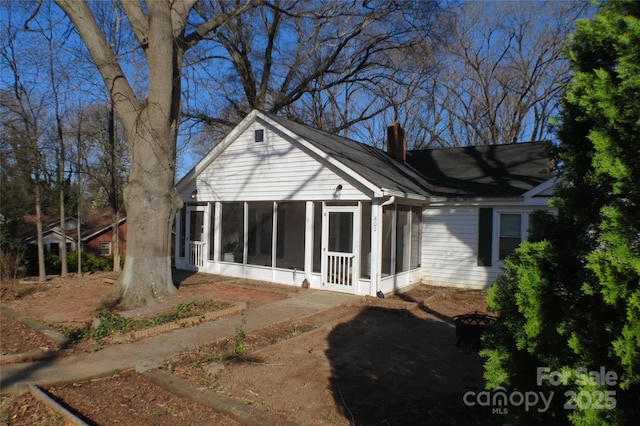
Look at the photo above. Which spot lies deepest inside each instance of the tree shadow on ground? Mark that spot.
(391, 367)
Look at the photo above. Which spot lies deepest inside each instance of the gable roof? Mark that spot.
(90, 227)
(508, 170)
(493, 171)
(373, 164)
(99, 224)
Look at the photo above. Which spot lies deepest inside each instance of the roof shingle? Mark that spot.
(507, 170)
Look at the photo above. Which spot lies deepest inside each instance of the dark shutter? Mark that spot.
(485, 232)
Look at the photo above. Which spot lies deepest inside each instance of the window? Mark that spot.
(232, 232)
(259, 135)
(388, 216)
(400, 238)
(510, 234)
(105, 248)
(416, 214)
(290, 236)
(212, 224)
(499, 233)
(365, 241)
(260, 236)
(403, 238)
(183, 230)
(317, 236)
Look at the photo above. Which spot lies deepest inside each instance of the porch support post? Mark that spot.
(245, 243)
(308, 241)
(376, 246)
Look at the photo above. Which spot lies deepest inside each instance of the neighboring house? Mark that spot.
(51, 232)
(96, 233)
(280, 201)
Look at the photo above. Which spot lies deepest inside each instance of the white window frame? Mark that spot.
(110, 247)
(495, 238)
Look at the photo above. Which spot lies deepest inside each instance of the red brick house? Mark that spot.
(97, 236)
(96, 233)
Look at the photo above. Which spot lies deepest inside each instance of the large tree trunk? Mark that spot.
(151, 202)
(151, 127)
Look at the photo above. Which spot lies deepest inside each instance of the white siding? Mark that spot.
(265, 171)
(449, 249)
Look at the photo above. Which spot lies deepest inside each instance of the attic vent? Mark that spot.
(259, 135)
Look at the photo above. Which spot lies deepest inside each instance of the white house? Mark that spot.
(283, 202)
(52, 232)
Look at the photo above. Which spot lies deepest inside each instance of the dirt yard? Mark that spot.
(372, 363)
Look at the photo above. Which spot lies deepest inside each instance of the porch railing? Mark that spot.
(340, 268)
(196, 253)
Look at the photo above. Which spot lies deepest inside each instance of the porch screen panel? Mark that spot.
(341, 232)
(212, 224)
(196, 221)
(290, 236)
(232, 232)
(183, 230)
(260, 237)
(416, 221)
(317, 236)
(387, 234)
(403, 239)
(365, 242)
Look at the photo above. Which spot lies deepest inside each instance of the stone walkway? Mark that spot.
(148, 353)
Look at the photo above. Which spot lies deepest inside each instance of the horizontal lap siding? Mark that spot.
(449, 249)
(270, 170)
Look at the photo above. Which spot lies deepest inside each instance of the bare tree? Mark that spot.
(164, 32)
(499, 78)
(55, 77)
(23, 115)
(321, 62)
(105, 162)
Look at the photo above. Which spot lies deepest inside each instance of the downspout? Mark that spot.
(391, 200)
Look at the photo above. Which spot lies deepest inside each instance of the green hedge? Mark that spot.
(90, 263)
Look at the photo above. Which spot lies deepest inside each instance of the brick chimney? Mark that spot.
(396, 142)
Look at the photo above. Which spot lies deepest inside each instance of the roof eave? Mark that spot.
(400, 194)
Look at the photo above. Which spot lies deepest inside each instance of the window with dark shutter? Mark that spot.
(485, 231)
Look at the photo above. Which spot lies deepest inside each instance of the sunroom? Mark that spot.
(281, 202)
(327, 243)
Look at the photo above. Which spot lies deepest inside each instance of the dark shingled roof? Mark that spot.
(478, 171)
(369, 162)
(507, 170)
(95, 223)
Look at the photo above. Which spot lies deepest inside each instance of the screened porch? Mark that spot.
(327, 243)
